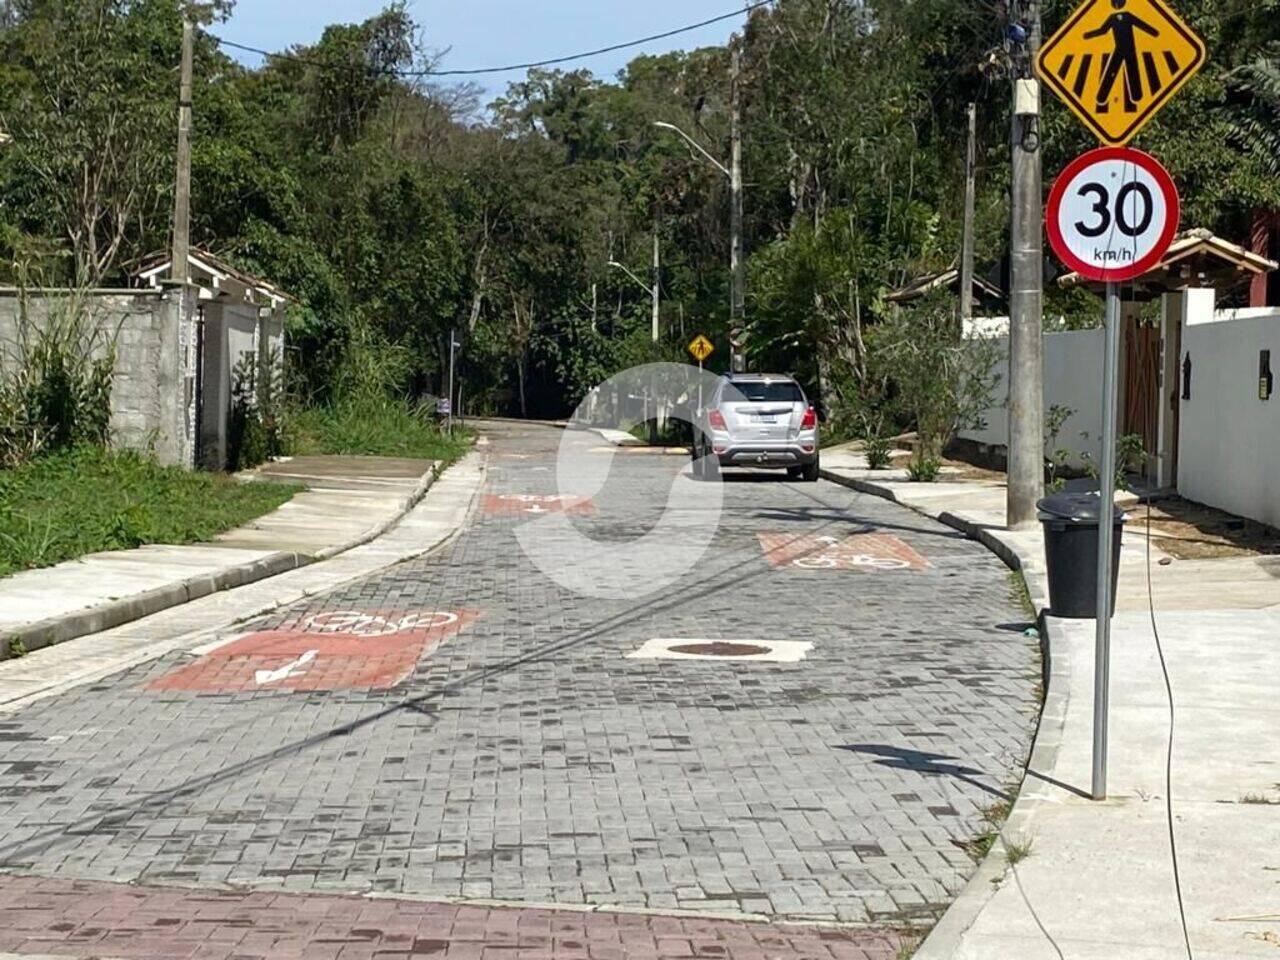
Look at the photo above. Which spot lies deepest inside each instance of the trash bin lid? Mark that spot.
(1074, 507)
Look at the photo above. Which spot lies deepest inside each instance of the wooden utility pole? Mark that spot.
(970, 193)
(1026, 277)
(182, 188)
(737, 263)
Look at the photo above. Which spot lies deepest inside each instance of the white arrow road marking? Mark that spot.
(262, 677)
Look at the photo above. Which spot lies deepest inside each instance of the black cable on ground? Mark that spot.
(1168, 761)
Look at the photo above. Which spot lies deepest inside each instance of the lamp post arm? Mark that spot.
(644, 286)
(695, 144)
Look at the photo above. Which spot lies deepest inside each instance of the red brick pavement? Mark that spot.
(89, 919)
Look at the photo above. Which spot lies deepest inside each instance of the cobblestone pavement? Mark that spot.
(526, 759)
(110, 920)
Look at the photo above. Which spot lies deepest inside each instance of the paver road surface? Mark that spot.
(463, 728)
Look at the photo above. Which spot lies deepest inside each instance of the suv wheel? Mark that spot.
(809, 472)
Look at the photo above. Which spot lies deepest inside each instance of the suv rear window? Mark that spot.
(767, 391)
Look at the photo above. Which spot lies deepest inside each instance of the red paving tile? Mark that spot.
(88, 919)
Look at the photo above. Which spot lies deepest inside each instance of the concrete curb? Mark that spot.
(106, 616)
(943, 942)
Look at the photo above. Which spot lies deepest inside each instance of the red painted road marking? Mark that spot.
(342, 650)
(534, 504)
(862, 551)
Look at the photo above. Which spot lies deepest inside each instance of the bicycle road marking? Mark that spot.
(867, 552)
(332, 650)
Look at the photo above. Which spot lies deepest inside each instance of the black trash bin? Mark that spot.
(1071, 552)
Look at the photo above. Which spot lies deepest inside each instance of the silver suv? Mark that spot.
(758, 420)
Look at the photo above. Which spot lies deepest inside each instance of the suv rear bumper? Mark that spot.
(760, 456)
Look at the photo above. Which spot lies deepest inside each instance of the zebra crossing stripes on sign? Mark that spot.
(1116, 63)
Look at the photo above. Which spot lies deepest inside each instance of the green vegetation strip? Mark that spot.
(373, 429)
(89, 500)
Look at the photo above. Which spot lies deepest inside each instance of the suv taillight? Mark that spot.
(810, 420)
(716, 419)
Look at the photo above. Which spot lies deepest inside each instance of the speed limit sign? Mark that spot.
(1112, 214)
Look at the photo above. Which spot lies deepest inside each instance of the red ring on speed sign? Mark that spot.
(1146, 248)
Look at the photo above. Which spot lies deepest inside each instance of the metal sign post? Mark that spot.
(1106, 537)
(1112, 215)
(701, 348)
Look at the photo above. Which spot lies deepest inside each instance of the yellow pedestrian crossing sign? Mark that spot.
(701, 348)
(1115, 63)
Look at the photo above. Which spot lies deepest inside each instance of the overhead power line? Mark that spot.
(479, 71)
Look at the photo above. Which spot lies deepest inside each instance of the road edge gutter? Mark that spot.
(107, 616)
(944, 940)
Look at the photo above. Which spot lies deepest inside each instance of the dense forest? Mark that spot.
(397, 206)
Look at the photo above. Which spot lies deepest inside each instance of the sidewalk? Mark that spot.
(347, 501)
(438, 516)
(1098, 881)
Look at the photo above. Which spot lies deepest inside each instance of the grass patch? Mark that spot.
(374, 429)
(1020, 594)
(1015, 851)
(1260, 799)
(994, 816)
(88, 500)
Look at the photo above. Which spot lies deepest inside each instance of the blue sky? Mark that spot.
(485, 33)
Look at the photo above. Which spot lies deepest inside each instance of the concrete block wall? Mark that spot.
(147, 329)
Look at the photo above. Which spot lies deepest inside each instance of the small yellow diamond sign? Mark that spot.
(701, 348)
(1116, 63)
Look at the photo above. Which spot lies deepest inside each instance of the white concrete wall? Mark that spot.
(1229, 439)
(1072, 378)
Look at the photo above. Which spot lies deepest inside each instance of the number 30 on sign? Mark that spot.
(1112, 214)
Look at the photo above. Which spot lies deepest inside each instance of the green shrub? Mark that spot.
(923, 469)
(939, 381)
(56, 392)
(375, 427)
(257, 429)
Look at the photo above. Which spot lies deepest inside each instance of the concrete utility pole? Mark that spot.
(970, 193)
(453, 344)
(656, 281)
(182, 188)
(1026, 272)
(737, 263)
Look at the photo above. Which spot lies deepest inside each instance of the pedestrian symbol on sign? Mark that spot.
(1124, 57)
(1115, 63)
(701, 348)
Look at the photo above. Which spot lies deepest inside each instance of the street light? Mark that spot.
(653, 292)
(627, 271)
(695, 144)
(733, 170)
